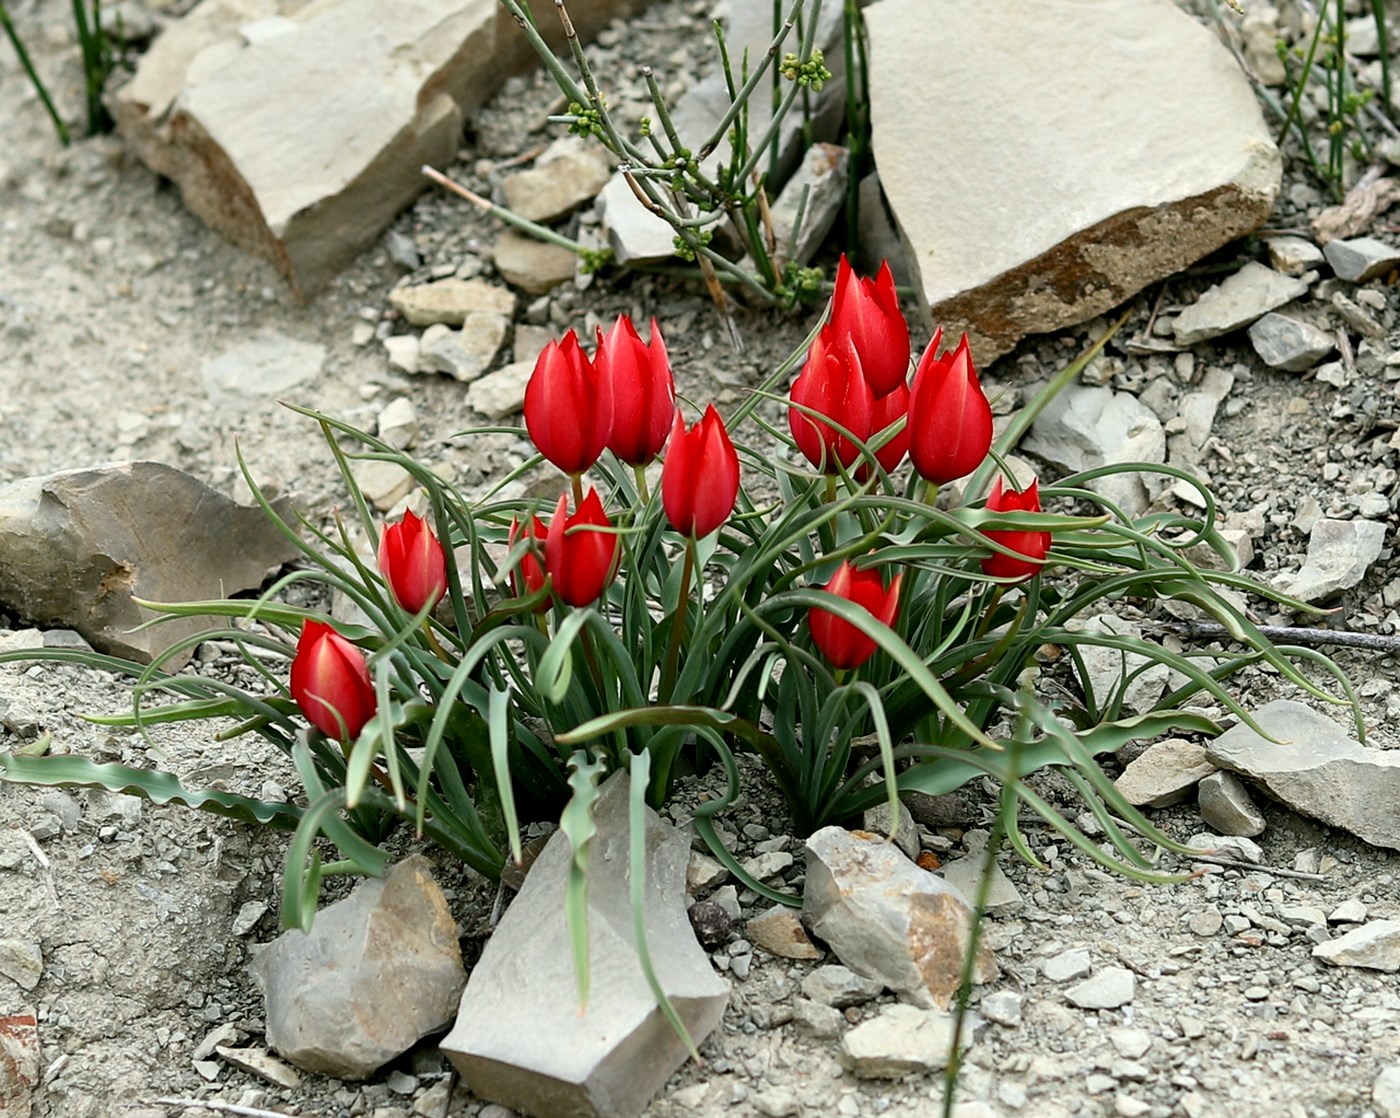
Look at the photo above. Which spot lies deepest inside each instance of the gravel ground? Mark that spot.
(111, 299)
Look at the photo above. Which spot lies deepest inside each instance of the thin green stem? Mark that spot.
(673, 649)
(510, 217)
(64, 136)
(640, 473)
(577, 480)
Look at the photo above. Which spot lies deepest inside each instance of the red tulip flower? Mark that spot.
(950, 420)
(840, 641)
(331, 684)
(580, 563)
(867, 312)
(831, 384)
(413, 563)
(700, 478)
(637, 379)
(528, 576)
(1033, 545)
(888, 410)
(566, 411)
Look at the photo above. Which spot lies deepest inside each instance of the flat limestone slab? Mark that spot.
(297, 129)
(1317, 769)
(520, 1039)
(1046, 159)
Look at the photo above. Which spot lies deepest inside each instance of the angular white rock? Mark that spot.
(1374, 945)
(1007, 234)
(1314, 767)
(1235, 302)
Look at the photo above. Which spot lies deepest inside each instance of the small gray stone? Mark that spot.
(1225, 806)
(1361, 259)
(248, 916)
(1110, 988)
(1247, 295)
(902, 1040)
(1374, 945)
(769, 866)
(1293, 255)
(780, 932)
(397, 423)
(384, 484)
(1085, 427)
(886, 918)
(378, 971)
(1340, 552)
(1002, 1007)
(822, 1021)
(1314, 767)
(403, 351)
(568, 174)
(502, 393)
(267, 364)
(1385, 1092)
(906, 832)
(1207, 923)
(1067, 964)
(466, 353)
(1351, 911)
(965, 874)
(65, 807)
(402, 250)
(259, 1063)
(838, 986)
(727, 897)
(818, 191)
(1130, 1043)
(449, 301)
(1288, 344)
(1237, 847)
(776, 1102)
(21, 962)
(1165, 773)
(536, 267)
(703, 873)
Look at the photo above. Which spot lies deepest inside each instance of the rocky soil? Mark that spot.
(114, 301)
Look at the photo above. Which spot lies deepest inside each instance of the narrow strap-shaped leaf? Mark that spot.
(579, 827)
(497, 717)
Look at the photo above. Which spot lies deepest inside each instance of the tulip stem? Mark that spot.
(433, 643)
(931, 494)
(673, 651)
(577, 479)
(641, 475)
(830, 489)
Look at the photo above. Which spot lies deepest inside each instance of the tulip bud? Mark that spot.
(950, 420)
(840, 641)
(637, 379)
(700, 478)
(889, 409)
(867, 312)
(413, 563)
(580, 563)
(330, 682)
(831, 384)
(566, 412)
(528, 576)
(1033, 545)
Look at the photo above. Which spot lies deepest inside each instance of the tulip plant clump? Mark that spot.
(704, 586)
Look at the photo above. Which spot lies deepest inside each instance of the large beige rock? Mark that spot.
(1046, 159)
(297, 129)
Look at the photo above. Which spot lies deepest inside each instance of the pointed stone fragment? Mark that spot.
(520, 1039)
(1315, 767)
(887, 919)
(377, 972)
(77, 546)
(1374, 945)
(1006, 232)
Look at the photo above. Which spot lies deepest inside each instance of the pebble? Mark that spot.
(403, 351)
(248, 916)
(1165, 773)
(1361, 258)
(466, 353)
(1073, 963)
(1293, 255)
(449, 301)
(770, 866)
(1385, 1092)
(501, 393)
(260, 1063)
(834, 985)
(22, 962)
(1374, 945)
(536, 267)
(1130, 1043)
(1108, 989)
(780, 931)
(776, 1102)
(397, 423)
(1236, 847)
(1289, 344)
(1206, 923)
(1247, 295)
(822, 1021)
(1225, 806)
(702, 873)
(1002, 1007)
(1350, 911)
(902, 1040)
